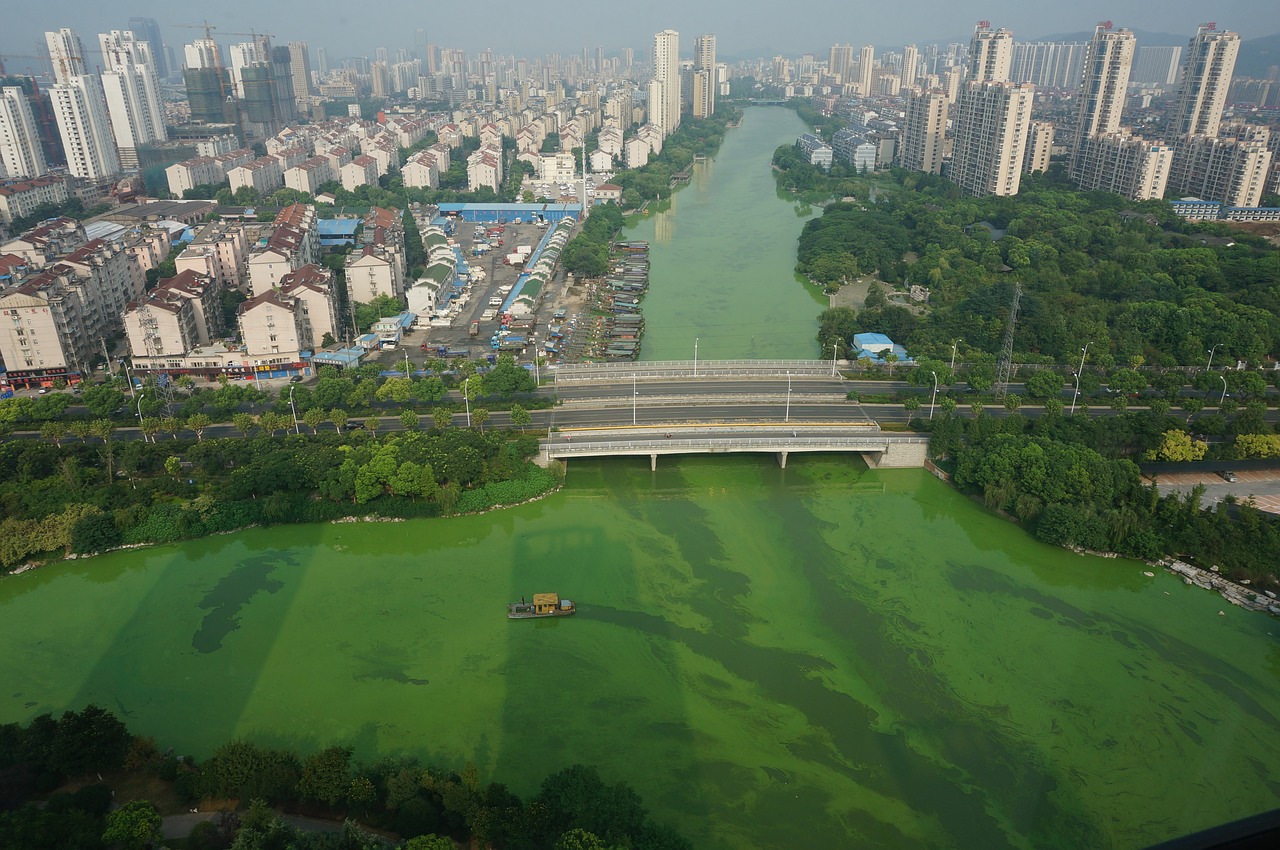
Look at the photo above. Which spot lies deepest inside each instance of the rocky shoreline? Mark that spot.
(1237, 594)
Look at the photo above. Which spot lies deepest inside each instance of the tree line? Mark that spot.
(429, 808)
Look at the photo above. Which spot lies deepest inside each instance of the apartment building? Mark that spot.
(992, 126)
(294, 242)
(421, 171)
(218, 251)
(924, 130)
(263, 175)
(161, 326)
(20, 152)
(1126, 164)
(1039, 147)
(20, 198)
(816, 151)
(1231, 171)
(484, 169)
(360, 171)
(312, 289)
(43, 336)
(272, 330)
(43, 244)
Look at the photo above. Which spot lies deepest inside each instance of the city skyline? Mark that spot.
(748, 26)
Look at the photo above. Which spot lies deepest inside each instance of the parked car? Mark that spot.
(295, 379)
(1228, 476)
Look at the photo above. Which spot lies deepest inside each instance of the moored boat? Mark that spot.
(543, 605)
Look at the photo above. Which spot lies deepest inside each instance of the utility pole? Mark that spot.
(1005, 367)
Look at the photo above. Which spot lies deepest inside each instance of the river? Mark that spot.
(722, 266)
(822, 656)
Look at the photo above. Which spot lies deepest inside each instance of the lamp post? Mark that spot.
(406, 363)
(1209, 368)
(933, 400)
(954, 344)
(466, 399)
(1224, 391)
(294, 411)
(634, 395)
(133, 393)
(787, 418)
(141, 396)
(695, 357)
(1084, 351)
(835, 348)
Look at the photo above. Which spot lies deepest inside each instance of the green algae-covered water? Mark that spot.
(723, 255)
(818, 657)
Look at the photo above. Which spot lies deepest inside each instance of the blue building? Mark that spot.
(874, 346)
(507, 213)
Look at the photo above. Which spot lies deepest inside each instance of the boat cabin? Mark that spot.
(545, 603)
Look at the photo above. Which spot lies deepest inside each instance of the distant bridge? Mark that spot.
(880, 450)
(623, 371)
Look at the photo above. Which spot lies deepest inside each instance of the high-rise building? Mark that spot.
(1125, 164)
(840, 62)
(243, 54)
(1039, 147)
(66, 53)
(201, 53)
(704, 76)
(664, 111)
(300, 69)
(132, 94)
(322, 60)
(866, 64)
(1156, 66)
(146, 29)
(1206, 78)
(992, 125)
(81, 110)
(924, 130)
(1107, 64)
(990, 54)
(1231, 169)
(20, 152)
(1049, 64)
(910, 65)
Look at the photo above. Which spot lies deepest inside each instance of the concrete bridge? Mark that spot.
(702, 369)
(879, 449)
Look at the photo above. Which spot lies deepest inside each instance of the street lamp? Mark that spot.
(406, 363)
(129, 378)
(787, 418)
(1224, 391)
(695, 357)
(634, 395)
(141, 396)
(466, 400)
(1209, 368)
(835, 348)
(933, 400)
(1083, 352)
(954, 344)
(294, 410)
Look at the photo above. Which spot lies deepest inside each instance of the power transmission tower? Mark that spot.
(1005, 367)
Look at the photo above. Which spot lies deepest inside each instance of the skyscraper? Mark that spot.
(840, 61)
(866, 62)
(991, 137)
(81, 112)
(132, 94)
(924, 130)
(146, 29)
(300, 68)
(910, 65)
(20, 152)
(66, 53)
(704, 76)
(664, 89)
(201, 53)
(990, 54)
(1206, 77)
(1107, 64)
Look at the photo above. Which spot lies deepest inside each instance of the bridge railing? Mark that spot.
(690, 368)
(728, 444)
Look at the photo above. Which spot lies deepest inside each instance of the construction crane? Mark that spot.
(62, 60)
(222, 72)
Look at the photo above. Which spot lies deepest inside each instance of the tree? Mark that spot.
(54, 431)
(243, 422)
(338, 417)
(911, 404)
(197, 423)
(314, 417)
(429, 842)
(102, 400)
(1177, 445)
(326, 776)
(408, 420)
(889, 359)
(1046, 383)
(520, 417)
(151, 426)
(133, 826)
(478, 416)
(372, 424)
(441, 418)
(1012, 402)
(981, 377)
(171, 425)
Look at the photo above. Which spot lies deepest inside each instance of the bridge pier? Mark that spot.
(898, 456)
(653, 462)
(782, 459)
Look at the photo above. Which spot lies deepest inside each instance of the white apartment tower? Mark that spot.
(20, 151)
(300, 70)
(66, 53)
(201, 53)
(1206, 77)
(840, 62)
(992, 127)
(924, 130)
(910, 65)
(990, 54)
(704, 76)
(1107, 65)
(81, 111)
(132, 94)
(866, 63)
(664, 111)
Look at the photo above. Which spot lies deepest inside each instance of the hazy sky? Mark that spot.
(742, 27)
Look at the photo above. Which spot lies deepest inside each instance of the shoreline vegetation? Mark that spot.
(84, 781)
(1141, 295)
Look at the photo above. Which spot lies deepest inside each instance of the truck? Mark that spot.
(475, 329)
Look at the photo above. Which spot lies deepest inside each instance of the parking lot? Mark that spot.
(1262, 485)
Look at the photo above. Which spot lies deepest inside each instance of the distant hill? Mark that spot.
(1257, 55)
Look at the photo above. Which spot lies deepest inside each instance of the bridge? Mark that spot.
(880, 450)
(578, 373)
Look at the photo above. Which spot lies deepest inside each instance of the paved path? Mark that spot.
(1262, 485)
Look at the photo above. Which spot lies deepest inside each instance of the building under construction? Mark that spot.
(205, 95)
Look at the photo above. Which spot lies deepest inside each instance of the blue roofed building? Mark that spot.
(874, 346)
(505, 213)
(337, 232)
